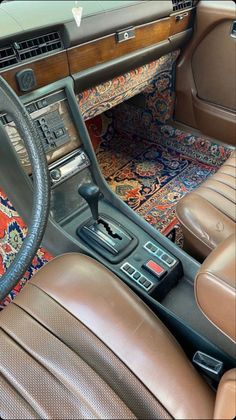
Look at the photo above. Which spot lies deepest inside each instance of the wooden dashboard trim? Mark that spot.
(107, 48)
(47, 70)
(101, 50)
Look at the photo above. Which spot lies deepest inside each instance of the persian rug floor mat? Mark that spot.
(12, 233)
(152, 175)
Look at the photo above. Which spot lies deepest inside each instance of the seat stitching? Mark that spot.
(36, 407)
(37, 358)
(16, 390)
(221, 182)
(213, 205)
(92, 332)
(216, 192)
(224, 173)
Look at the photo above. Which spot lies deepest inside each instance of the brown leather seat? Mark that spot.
(208, 214)
(77, 343)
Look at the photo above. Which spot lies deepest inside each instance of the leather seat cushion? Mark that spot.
(77, 342)
(207, 215)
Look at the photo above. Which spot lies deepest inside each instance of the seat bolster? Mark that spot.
(125, 324)
(225, 407)
(215, 287)
(204, 226)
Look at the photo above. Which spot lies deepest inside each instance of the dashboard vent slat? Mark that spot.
(179, 5)
(40, 45)
(7, 57)
(21, 51)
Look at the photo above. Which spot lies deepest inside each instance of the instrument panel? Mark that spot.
(55, 126)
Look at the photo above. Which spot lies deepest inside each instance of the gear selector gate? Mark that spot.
(101, 232)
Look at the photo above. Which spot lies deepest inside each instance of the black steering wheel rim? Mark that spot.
(10, 104)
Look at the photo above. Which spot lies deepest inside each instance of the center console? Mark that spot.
(143, 262)
(87, 217)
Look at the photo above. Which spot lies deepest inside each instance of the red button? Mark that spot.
(155, 268)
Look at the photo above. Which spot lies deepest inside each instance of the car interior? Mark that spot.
(117, 209)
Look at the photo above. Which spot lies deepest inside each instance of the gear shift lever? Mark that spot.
(102, 233)
(90, 192)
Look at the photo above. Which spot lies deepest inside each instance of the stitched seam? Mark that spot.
(222, 182)
(6, 379)
(225, 173)
(216, 208)
(218, 193)
(92, 332)
(38, 359)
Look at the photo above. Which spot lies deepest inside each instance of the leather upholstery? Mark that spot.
(82, 337)
(215, 287)
(207, 215)
(225, 407)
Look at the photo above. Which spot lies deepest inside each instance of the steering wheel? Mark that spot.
(10, 104)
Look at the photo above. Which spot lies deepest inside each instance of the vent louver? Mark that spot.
(21, 51)
(7, 57)
(182, 4)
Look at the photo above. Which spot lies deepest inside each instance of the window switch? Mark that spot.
(147, 284)
(136, 275)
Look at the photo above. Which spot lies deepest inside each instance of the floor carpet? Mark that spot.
(152, 174)
(12, 233)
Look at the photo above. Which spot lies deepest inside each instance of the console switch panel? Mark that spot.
(135, 275)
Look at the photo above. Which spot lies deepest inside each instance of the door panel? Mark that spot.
(213, 66)
(206, 73)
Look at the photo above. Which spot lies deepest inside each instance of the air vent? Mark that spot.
(37, 46)
(7, 57)
(21, 51)
(182, 4)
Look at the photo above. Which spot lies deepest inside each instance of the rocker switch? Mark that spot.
(155, 268)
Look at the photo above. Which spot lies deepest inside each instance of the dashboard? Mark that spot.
(40, 42)
(47, 59)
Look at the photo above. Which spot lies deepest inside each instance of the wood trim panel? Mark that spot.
(47, 70)
(104, 49)
(181, 25)
(60, 65)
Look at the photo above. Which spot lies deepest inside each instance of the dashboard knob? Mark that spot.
(55, 174)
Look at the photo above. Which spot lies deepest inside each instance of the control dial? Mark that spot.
(55, 174)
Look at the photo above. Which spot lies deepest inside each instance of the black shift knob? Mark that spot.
(90, 192)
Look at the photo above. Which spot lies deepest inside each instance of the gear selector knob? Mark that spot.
(90, 192)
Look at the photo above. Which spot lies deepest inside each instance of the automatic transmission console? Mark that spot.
(101, 232)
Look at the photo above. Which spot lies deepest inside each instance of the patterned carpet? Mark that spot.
(12, 233)
(152, 175)
(148, 162)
